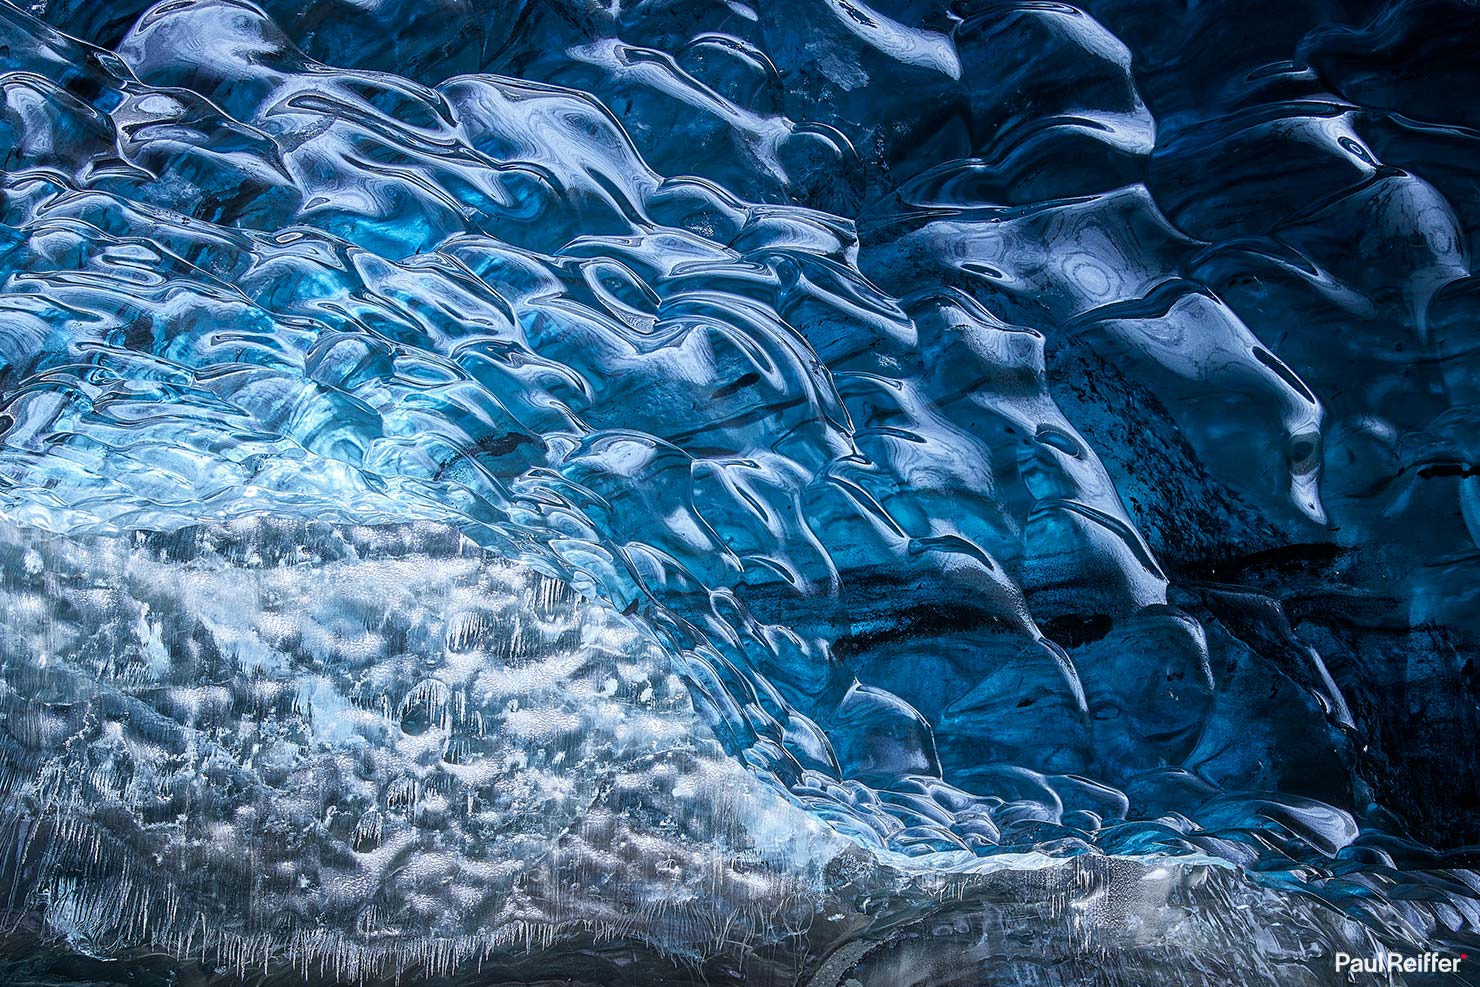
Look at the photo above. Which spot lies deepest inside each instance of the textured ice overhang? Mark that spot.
(797, 493)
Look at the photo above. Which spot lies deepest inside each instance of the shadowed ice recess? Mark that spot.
(786, 493)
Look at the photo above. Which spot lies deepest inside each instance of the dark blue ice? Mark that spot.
(1014, 428)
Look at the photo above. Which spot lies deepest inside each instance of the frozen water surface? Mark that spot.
(790, 493)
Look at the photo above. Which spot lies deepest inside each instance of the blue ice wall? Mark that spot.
(1023, 427)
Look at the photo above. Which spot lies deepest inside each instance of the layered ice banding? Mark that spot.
(449, 414)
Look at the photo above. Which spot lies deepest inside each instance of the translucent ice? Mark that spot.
(471, 468)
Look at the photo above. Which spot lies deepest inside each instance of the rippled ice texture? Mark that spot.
(782, 493)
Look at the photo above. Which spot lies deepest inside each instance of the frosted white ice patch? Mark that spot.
(387, 732)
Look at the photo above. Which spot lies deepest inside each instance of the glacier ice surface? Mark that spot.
(765, 493)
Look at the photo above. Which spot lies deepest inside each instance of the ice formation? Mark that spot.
(777, 493)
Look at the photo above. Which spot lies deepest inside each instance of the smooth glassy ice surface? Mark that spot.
(779, 493)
